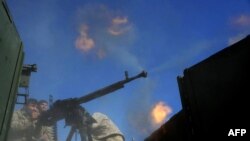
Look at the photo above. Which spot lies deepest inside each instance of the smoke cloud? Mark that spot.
(119, 26)
(138, 110)
(242, 25)
(83, 42)
(106, 33)
(242, 20)
(236, 38)
(183, 56)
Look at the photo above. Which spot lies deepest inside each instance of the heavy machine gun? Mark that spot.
(75, 115)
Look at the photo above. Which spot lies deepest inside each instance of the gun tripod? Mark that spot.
(84, 136)
(79, 120)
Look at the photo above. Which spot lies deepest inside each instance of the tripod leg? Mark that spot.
(84, 135)
(71, 133)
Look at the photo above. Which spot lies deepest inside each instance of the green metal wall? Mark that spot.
(11, 59)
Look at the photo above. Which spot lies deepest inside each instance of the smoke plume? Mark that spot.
(119, 26)
(241, 20)
(183, 56)
(106, 33)
(236, 38)
(242, 24)
(83, 42)
(139, 109)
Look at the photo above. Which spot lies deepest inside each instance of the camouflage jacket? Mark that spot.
(104, 129)
(24, 129)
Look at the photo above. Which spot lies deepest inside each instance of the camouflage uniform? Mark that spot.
(24, 129)
(47, 131)
(105, 129)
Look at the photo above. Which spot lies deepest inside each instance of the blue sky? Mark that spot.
(80, 46)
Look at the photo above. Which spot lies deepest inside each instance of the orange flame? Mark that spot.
(160, 112)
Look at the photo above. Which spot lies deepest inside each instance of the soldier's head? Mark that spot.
(43, 105)
(31, 107)
(31, 104)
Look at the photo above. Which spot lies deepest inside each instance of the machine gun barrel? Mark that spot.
(68, 109)
(111, 88)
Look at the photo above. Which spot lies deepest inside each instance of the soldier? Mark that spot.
(47, 132)
(23, 124)
(43, 105)
(104, 129)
